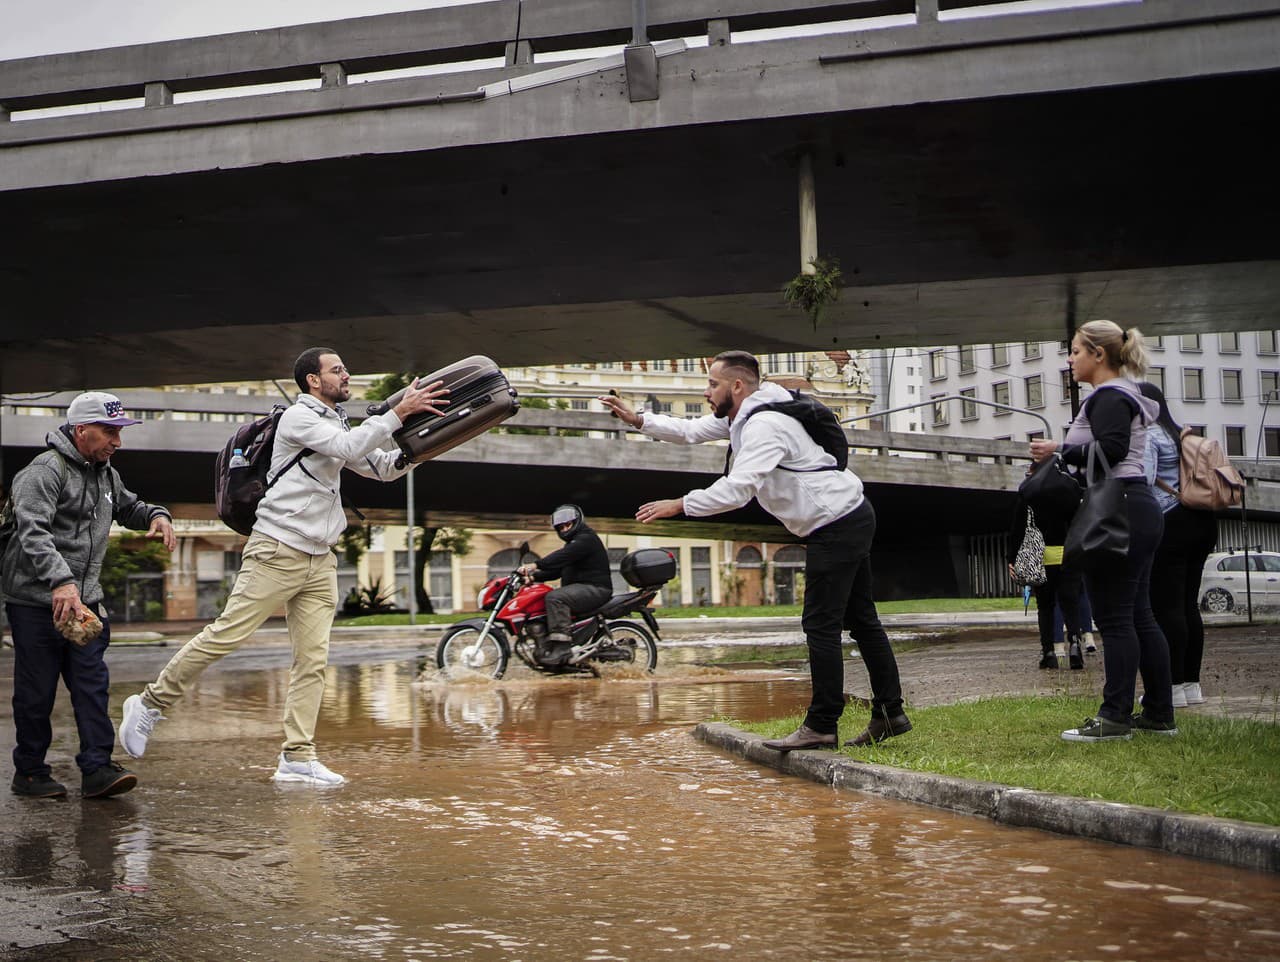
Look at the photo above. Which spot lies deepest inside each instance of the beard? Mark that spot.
(724, 407)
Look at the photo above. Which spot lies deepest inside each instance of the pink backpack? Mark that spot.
(1206, 479)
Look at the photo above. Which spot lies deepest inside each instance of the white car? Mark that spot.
(1222, 586)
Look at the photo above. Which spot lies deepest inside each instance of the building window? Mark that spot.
(1231, 386)
(1035, 435)
(999, 355)
(1266, 342)
(937, 365)
(1156, 376)
(1189, 342)
(1235, 441)
(1192, 384)
(967, 365)
(689, 365)
(1064, 384)
(693, 409)
(1269, 385)
(939, 411)
(660, 407)
(968, 409)
(1035, 391)
(579, 404)
(1000, 394)
(700, 572)
(1271, 442)
(1229, 343)
(1030, 350)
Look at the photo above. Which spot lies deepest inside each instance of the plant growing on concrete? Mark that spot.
(812, 292)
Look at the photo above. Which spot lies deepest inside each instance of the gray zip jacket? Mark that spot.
(62, 519)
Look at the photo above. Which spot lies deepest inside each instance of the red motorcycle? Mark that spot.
(518, 622)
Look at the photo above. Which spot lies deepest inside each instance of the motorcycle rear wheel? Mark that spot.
(635, 639)
(464, 648)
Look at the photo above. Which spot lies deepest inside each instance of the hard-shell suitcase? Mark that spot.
(648, 567)
(480, 397)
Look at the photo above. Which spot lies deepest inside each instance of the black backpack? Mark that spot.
(238, 491)
(819, 422)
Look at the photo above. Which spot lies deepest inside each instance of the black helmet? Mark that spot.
(566, 514)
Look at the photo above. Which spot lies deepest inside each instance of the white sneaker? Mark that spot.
(1179, 696)
(136, 726)
(311, 772)
(1090, 646)
(1191, 691)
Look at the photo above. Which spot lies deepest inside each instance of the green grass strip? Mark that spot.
(1226, 767)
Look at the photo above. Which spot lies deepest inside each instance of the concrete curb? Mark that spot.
(1234, 843)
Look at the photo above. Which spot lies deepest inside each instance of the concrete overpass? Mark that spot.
(986, 178)
(932, 493)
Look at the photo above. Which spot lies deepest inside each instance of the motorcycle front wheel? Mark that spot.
(635, 641)
(468, 647)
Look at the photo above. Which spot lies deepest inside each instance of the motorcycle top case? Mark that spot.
(480, 397)
(648, 567)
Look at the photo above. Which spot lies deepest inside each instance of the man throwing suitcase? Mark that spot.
(797, 481)
(288, 559)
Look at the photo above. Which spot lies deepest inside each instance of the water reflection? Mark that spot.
(541, 819)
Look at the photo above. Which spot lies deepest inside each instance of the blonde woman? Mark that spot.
(1116, 415)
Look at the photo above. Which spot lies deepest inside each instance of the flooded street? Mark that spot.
(544, 819)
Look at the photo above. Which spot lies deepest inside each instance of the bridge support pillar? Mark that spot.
(808, 214)
(4, 114)
(158, 94)
(641, 63)
(718, 33)
(926, 11)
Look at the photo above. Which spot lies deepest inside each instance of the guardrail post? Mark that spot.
(926, 11)
(333, 75)
(718, 33)
(4, 114)
(519, 52)
(158, 94)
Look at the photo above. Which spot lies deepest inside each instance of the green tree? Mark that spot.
(387, 385)
(454, 540)
(127, 555)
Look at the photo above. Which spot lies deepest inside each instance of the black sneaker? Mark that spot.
(38, 786)
(1149, 726)
(1099, 730)
(1076, 657)
(111, 779)
(1048, 660)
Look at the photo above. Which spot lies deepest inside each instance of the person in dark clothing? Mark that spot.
(1115, 417)
(1061, 586)
(582, 566)
(1189, 536)
(64, 503)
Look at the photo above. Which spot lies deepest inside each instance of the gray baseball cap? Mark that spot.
(98, 407)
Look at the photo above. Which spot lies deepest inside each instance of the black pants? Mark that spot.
(40, 656)
(1132, 640)
(1189, 537)
(570, 600)
(837, 595)
(1061, 588)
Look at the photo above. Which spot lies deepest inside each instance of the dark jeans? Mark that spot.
(566, 602)
(837, 595)
(40, 656)
(1061, 588)
(1189, 537)
(1131, 639)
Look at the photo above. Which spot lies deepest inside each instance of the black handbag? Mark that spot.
(1050, 489)
(1100, 529)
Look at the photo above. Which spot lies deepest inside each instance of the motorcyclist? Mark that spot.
(582, 566)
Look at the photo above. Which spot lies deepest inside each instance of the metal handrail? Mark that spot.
(1048, 430)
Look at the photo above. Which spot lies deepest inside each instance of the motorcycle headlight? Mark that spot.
(480, 597)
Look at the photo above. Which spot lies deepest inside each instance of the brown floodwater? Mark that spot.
(542, 819)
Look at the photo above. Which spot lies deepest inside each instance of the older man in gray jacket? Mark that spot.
(64, 502)
(289, 561)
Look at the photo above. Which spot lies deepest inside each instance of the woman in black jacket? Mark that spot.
(1115, 418)
(1061, 587)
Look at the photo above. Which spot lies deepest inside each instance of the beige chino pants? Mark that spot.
(272, 574)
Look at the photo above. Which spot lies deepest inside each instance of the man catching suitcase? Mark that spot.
(799, 483)
(288, 559)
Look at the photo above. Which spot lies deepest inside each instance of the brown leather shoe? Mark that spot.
(803, 737)
(878, 729)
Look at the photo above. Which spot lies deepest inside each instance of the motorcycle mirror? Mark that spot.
(524, 548)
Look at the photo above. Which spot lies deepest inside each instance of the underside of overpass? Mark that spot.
(983, 220)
